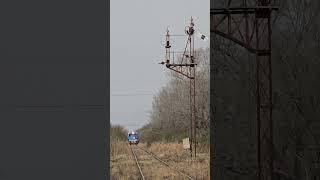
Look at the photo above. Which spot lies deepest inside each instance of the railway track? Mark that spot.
(158, 160)
(137, 162)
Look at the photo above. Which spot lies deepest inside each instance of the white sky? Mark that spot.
(137, 37)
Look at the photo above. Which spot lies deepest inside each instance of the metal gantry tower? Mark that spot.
(248, 24)
(186, 67)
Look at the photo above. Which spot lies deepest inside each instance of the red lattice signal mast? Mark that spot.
(248, 24)
(186, 67)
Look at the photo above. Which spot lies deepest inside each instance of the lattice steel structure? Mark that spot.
(186, 67)
(248, 24)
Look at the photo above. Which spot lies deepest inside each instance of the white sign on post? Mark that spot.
(186, 143)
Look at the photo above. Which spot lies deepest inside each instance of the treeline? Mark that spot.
(170, 115)
(118, 133)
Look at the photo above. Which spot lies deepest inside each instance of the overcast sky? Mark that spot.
(137, 37)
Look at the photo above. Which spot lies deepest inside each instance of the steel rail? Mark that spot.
(137, 162)
(166, 164)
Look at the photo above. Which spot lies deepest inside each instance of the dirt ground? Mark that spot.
(123, 167)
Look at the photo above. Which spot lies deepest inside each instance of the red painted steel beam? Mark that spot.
(232, 38)
(257, 19)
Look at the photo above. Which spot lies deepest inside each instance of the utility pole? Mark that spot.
(240, 24)
(186, 67)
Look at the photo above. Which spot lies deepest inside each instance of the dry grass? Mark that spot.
(123, 165)
(119, 148)
(166, 148)
(174, 154)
